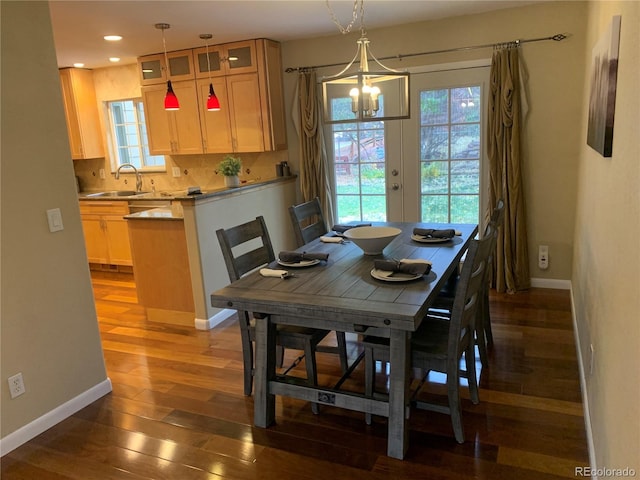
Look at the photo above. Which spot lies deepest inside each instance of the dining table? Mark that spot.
(342, 294)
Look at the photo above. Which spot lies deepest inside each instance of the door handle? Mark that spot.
(395, 186)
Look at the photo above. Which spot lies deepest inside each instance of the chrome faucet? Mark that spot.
(138, 175)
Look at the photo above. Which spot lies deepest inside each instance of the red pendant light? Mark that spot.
(213, 104)
(170, 99)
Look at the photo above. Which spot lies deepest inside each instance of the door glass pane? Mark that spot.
(359, 167)
(450, 154)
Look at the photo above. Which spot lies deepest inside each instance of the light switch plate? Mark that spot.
(54, 217)
(176, 171)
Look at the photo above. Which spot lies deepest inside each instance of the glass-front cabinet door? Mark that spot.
(153, 69)
(227, 59)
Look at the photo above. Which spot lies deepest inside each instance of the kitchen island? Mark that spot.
(200, 215)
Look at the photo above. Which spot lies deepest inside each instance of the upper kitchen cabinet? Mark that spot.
(153, 68)
(251, 118)
(81, 110)
(226, 59)
(172, 132)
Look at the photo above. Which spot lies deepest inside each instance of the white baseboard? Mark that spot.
(51, 418)
(217, 319)
(551, 283)
(583, 389)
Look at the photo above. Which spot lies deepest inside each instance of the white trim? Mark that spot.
(217, 319)
(556, 283)
(583, 389)
(53, 417)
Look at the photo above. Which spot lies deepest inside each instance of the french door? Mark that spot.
(427, 168)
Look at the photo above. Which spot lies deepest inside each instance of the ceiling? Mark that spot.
(79, 26)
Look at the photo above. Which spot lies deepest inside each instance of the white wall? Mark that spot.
(49, 329)
(606, 270)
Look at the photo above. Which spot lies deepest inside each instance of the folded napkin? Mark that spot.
(269, 272)
(295, 257)
(432, 233)
(343, 228)
(326, 239)
(405, 265)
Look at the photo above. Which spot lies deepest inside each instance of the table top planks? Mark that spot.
(343, 288)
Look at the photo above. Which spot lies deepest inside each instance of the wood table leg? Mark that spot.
(398, 436)
(264, 403)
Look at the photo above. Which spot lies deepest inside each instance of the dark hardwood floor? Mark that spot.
(177, 410)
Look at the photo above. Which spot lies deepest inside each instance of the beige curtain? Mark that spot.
(511, 272)
(312, 154)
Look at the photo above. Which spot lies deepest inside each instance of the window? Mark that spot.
(450, 154)
(129, 136)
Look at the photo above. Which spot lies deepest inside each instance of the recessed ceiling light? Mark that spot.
(112, 38)
(114, 59)
(78, 65)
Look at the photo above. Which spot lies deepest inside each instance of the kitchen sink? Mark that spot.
(117, 193)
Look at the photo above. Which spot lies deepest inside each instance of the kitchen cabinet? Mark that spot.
(177, 131)
(251, 118)
(226, 59)
(153, 68)
(105, 232)
(81, 111)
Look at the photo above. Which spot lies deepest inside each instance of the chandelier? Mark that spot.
(364, 95)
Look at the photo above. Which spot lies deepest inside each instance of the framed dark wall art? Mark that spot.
(602, 99)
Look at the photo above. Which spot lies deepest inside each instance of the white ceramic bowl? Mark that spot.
(372, 240)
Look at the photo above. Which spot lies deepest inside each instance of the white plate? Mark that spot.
(394, 277)
(421, 239)
(303, 263)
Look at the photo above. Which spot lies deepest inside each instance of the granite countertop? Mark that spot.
(182, 194)
(162, 213)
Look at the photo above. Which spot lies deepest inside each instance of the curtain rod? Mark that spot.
(558, 37)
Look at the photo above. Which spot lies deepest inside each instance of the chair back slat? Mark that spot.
(308, 221)
(245, 247)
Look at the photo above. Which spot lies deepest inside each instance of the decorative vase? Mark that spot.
(232, 181)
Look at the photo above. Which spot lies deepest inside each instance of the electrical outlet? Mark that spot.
(102, 174)
(543, 257)
(176, 171)
(16, 385)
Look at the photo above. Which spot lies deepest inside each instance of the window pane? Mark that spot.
(434, 107)
(465, 177)
(464, 208)
(374, 208)
(465, 141)
(130, 134)
(434, 143)
(465, 105)
(435, 208)
(435, 177)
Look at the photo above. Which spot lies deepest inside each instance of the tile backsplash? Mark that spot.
(195, 170)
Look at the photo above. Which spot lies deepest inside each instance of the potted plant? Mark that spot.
(230, 167)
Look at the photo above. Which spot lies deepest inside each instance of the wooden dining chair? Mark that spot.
(308, 221)
(257, 254)
(308, 224)
(439, 343)
(444, 302)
